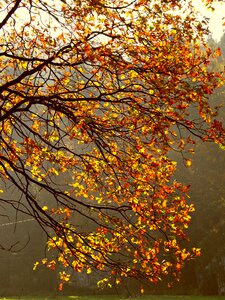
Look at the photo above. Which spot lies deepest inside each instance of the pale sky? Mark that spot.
(216, 21)
(216, 17)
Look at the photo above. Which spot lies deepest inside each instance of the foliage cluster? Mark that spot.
(94, 98)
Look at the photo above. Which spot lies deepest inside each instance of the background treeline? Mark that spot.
(205, 275)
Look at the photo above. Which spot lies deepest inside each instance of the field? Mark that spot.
(100, 297)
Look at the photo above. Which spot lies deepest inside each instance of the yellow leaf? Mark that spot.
(151, 92)
(35, 265)
(188, 162)
(44, 261)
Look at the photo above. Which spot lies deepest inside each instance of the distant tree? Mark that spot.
(206, 177)
(208, 222)
(95, 96)
(208, 193)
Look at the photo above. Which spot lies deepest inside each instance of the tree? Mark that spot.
(95, 97)
(208, 192)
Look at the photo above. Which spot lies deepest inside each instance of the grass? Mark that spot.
(100, 297)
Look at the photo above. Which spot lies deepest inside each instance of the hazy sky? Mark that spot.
(216, 20)
(216, 17)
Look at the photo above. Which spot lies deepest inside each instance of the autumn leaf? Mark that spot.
(188, 162)
(35, 266)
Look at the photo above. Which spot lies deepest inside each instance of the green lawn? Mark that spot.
(100, 297)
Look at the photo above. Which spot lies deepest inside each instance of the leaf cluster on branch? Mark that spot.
(95, 96)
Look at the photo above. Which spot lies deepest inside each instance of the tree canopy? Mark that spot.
(95, 97)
